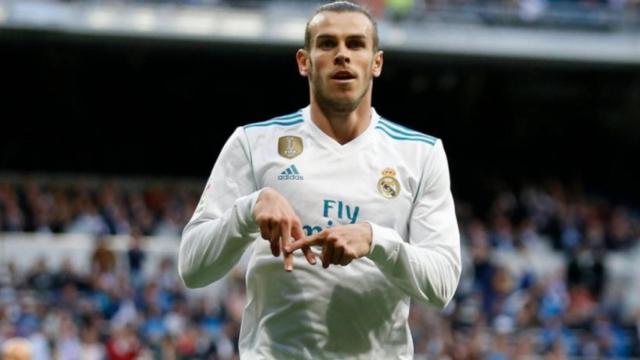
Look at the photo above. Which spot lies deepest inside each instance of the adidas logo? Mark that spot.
(290, 173)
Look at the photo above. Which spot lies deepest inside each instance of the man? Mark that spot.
(334, 180)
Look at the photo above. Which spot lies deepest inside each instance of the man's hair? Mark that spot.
(342, 6)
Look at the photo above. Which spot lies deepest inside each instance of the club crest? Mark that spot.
(388, 185)
(290, 146)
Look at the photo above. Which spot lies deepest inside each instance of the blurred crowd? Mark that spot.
(107, 313)
(572, 13)
(537, 280)
(111, 208)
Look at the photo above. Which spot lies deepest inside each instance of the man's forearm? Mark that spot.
(426, 273)
(210, 247)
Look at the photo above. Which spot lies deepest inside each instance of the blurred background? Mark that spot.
(112, 113)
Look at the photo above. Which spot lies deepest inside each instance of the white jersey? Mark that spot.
(394, 178)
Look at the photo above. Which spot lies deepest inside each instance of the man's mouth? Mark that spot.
(343, 75)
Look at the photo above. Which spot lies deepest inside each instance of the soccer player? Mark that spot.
(336, 183)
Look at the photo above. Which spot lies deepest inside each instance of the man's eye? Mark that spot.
(327, 44)
(355, 44)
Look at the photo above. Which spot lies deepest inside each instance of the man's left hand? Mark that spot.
(340, 244)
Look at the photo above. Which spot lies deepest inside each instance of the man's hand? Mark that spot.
(340, 245)
(278, 224)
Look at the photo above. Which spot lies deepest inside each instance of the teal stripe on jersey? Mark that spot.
(401, 130)
(285, 122)
(290, 116)
(401, 137)
(295, 170)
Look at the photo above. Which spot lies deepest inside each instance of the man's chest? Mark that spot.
(329, 188)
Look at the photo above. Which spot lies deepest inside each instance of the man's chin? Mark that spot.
(341, 102)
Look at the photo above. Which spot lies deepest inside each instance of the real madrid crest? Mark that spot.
(290, 146)
(388, 185)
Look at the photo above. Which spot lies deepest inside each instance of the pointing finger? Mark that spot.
(275, 239)
(284, 240)
(315, 239)
(288, 256)
(337, 255)
(327, 254)
(311, 257)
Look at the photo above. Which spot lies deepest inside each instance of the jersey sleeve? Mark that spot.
(428, 266)
(222, 226)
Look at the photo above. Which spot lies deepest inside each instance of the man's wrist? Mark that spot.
(369, 237)
(249, 215)
(385, 243)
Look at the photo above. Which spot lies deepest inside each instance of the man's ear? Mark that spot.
(378, 59)
(302, 58)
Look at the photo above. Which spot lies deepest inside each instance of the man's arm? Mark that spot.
(428, 266)
(230, 215)
(222, 226)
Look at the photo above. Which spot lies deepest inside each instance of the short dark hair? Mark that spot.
(342, 6)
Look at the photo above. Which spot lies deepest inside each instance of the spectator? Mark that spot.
(103, 259)
(123, 344)
(135, 257)
(16, 349)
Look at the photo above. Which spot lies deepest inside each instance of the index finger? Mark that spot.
(315, 239)
(285, 236)
(287, 255)
(285, 233)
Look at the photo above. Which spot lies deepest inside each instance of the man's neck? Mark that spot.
(342, 126)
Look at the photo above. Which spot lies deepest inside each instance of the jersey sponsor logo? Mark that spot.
(290, 173)
(335, 213)
(388, 185)
(290, 146)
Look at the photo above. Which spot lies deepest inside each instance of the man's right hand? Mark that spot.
(278, 224)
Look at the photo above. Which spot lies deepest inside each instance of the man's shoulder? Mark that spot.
(402, 135)
(284, 121)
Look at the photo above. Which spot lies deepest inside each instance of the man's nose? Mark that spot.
(342, 57)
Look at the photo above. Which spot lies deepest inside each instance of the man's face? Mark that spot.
(341, 61)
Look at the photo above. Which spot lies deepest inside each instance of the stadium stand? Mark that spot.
(596, 31)
(548, 271)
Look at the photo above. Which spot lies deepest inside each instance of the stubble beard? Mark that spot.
(332, 105)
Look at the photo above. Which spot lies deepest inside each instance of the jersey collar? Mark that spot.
(330, 143)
